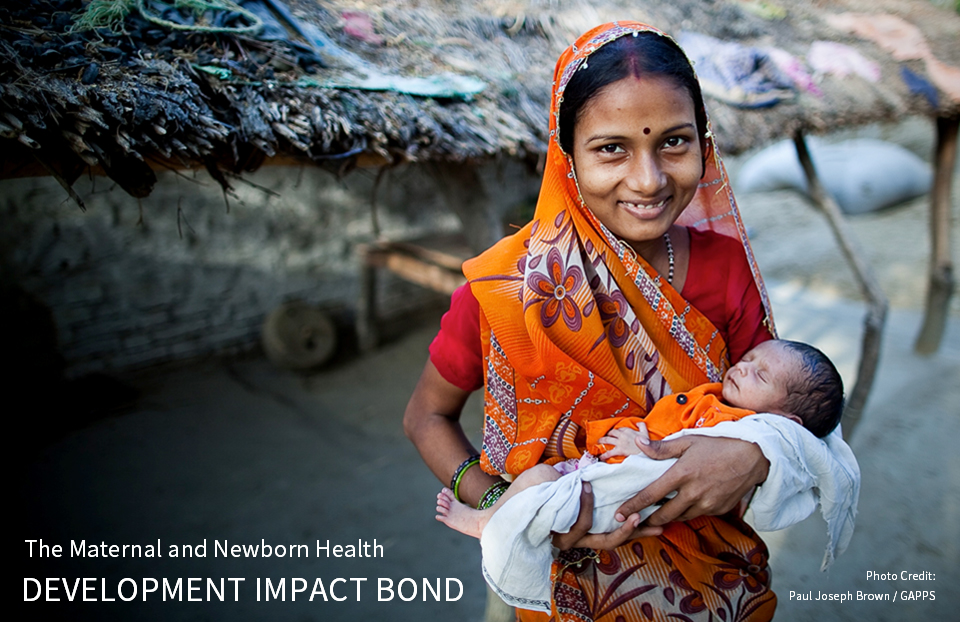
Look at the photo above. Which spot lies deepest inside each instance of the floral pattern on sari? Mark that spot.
(651, 579)
(557, 287)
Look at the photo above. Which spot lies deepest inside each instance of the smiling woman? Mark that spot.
(633, 281)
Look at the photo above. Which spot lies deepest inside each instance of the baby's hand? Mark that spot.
(624, 441)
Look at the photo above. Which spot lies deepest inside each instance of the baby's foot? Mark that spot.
(458, 516)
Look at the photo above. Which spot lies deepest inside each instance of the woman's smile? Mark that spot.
(644, 210)
(637, 156)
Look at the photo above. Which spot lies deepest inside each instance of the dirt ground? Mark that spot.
(239, 451)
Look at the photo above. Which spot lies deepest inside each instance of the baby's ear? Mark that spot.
(794, 418)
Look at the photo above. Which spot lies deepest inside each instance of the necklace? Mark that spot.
(666, 238)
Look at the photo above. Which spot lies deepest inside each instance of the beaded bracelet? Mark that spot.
(492, 495)
(458, 474)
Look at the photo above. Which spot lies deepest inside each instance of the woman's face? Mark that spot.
(637, 156)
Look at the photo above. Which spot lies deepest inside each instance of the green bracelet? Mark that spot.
(458, 475)
(492, 495)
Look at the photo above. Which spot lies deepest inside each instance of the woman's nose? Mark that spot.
(646, 176)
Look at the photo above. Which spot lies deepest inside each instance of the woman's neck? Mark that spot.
(651, 250)
(657, 253)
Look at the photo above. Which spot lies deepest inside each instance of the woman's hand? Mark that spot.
(712, 475)
(578, 535)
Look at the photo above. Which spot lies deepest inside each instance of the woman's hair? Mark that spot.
(646, 54)
(816, 395)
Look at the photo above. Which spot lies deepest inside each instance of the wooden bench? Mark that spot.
(432, 261)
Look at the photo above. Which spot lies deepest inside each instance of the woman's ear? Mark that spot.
(705, 147)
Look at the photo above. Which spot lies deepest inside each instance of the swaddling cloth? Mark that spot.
(804, 472)
(516, 543)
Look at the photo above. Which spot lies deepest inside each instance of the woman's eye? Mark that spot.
(674, 141)
(612, 148)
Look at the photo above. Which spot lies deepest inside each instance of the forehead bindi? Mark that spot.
(646, 130)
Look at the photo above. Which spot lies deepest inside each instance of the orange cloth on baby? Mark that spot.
(701, 407)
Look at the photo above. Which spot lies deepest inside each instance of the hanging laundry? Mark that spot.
(899, 37)
(919, 85)
(739, 75)
(904, 41)
(358, 25)
(829, 57)
(795, 68)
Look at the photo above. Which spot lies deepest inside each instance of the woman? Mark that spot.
(633, 281)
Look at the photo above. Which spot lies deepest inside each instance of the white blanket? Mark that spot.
(804, 472)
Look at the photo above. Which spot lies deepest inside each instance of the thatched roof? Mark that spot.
(153, 97)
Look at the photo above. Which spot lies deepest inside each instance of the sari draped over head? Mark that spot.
(576, 327)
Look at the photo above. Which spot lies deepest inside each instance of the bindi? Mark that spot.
(646, 130)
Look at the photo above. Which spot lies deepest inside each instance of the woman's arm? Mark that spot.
(432, 423)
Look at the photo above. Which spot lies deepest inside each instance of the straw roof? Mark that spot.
(154, 97)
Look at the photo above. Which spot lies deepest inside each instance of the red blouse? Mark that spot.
(719, 284)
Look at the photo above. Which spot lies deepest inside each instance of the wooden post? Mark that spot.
(941, 267)
(366, 321)
(869, 286)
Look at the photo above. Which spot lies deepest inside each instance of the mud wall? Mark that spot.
(186, 272)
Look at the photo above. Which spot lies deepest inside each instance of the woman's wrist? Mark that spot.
(763, 467)
(458, 475)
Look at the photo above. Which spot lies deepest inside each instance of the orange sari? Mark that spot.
(577, 327)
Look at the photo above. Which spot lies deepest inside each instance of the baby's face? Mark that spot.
(759, 381)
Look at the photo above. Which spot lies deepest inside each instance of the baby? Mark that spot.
(786, 378)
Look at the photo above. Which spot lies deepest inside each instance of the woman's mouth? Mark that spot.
(644, 210)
